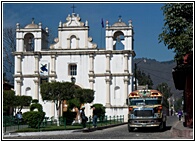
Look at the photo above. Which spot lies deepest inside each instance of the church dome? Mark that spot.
(119, 23)
(32, 25)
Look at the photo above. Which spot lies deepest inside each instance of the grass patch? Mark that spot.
(50, 128)
(54, 127)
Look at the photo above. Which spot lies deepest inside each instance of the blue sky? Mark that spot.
(147, 21)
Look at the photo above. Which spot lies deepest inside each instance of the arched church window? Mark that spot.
(73, 41)
(118, 39)
(28, 91)
(29, 42)
(117, 92)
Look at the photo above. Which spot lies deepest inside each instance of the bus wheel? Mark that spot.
(162, 126)
(130, 129)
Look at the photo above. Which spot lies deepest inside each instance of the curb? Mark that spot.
(102, 127)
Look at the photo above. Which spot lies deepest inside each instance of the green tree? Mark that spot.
(144, 79)
(8, 101)
(178, 28)
(12, 102)
(58, 92)
(81, 96)
(21, 101)
(166, 91)
(178, 104)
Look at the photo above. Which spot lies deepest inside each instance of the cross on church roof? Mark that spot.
(73, 7)
(120, 18)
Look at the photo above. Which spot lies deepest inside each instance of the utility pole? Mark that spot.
(135, 76)
(136, 72)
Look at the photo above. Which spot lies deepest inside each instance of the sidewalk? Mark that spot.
(20, 134)
(178, 130)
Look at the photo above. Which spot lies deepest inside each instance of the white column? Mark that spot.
(107, 63)
(77, 43)
(36, 93)
(19, 66)
(18, 89)
(91, 63)
(126, 81)
(36, 64)
(53, 64)
(107, 92)
(21, 44)
(86, 39)
(111, 43)
(126, 63)
(68, 43)
(91, 71)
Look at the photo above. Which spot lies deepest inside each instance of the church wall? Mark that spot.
(100, 93)
(28, 82)
(116, 64)
(62, 68)
(100, 64)
(46, 105)
(28, 65)
(117, 91)
(66, 35)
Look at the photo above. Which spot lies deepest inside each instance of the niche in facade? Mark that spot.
(73, 41)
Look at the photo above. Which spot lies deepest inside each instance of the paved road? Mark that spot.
(118, 132)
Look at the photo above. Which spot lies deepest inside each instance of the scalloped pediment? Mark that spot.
(73, 21)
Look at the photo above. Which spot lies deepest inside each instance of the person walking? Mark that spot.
(95, 113)
(179, 115)
(83, 116)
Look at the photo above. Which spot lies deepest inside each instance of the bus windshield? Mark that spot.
(152, 102)
(145, 101)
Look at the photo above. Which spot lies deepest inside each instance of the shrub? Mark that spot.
(34, 118)
(70, 116)
(100, 109)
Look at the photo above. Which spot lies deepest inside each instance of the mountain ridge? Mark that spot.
(159, 71)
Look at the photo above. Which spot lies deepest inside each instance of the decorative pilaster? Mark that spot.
(77, 43)
(53, 64)
(86, 39)
(126, 82)
(91, 63)
(68, 43)
(107, 63)
(126, 63)
(108, 91)
(19, 65)
(36, 94)
(36, 64)
(91, 70)
(18, 89)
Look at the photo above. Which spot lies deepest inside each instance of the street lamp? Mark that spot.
(136, 73)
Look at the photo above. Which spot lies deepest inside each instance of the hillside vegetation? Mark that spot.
(158, 71)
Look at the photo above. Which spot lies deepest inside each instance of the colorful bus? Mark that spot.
(146, 110)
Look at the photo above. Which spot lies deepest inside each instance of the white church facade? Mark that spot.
(107, 71)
